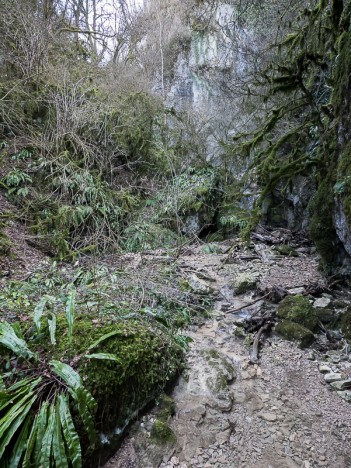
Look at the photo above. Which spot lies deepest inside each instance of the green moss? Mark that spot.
(321, 227)
(224, 371)
(285, 249)
(166, 407)
(295, 332)
(244, 282)
(345, 323)
(325, 315)
(162, 434)
(147, 359)
(5, 244)
(298, 309)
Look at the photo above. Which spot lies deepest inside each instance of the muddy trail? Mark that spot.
(227, 412)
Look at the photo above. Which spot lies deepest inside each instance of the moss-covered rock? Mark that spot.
(295, 332)
(222, 373)
(162, 434)
(298, 309)
(325, 315)
(244, 282)
(345, 322)
(166, 407)
(285, 249)
(145, 360)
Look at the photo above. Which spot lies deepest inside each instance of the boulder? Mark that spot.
(298, 309)
(295, 332)
(244, 282)
(128, 366)
(200, 286)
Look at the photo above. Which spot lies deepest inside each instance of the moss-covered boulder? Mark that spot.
(295, 332)
(298, 309)
(124, 364)
(345, 322)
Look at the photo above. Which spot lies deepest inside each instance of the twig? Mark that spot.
(231, 311)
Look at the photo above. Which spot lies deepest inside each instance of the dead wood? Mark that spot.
(254, 351)
(238, 309)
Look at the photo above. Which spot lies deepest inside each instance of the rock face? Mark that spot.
(206, 72)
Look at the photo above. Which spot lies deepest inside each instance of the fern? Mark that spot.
(36, 424)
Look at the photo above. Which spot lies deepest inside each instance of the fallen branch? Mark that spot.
(232, 311)
(254, 352)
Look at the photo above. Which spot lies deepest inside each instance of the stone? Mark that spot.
(332, 377)
(346, 395)
(199, 285)
(284, 249)
(298, 309)
(324, 369)
(244, 282)
(341, 384)
(294, 332)
(270, 417)
(322, 302)
(295, 291)
(223, 437)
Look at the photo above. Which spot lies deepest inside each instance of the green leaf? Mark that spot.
(104, 356)
(21, 444)
(86, 404)
(13, 422)
(46, 446)
(2, 385)
(31, 443)
(52, 328)
(12, 413)
(41, 428)
(70, 310)
(39, 310)
(69, 433)
(9, 339)
(17, 390)
(58, 444)
(69, 375)
(84, 400)
(104, 338)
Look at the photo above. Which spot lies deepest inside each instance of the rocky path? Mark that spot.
(229, 413)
